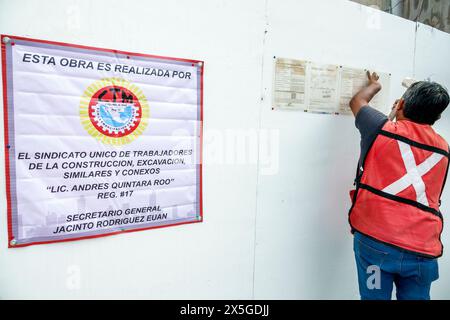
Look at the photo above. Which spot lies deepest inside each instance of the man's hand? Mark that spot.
(363, 97)
(373, 78)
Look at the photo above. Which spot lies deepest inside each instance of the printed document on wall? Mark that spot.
(290, 83)
(323, 88)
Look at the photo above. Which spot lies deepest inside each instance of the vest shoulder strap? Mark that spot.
(415, 143)
(416, 139)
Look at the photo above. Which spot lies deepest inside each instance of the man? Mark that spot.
(401, 173)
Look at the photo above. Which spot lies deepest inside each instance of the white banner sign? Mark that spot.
(98, 141)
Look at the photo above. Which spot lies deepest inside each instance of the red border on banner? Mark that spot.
(6, 139)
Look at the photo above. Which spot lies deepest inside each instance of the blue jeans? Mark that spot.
(380, 266)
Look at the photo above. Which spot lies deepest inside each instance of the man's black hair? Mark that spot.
(425, 101)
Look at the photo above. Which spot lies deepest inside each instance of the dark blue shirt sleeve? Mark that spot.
(368, 121)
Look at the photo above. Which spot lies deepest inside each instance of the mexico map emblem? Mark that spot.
(114, 111)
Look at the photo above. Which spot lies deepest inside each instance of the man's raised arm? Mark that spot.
(363, 97)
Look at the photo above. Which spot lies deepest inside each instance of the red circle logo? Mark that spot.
(115, 111)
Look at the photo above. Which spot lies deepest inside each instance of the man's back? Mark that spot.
(399, 184)
(402, 169)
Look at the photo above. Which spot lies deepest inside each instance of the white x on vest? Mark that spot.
(413, 174)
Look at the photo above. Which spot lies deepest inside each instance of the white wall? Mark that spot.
(281, 235)
(213, 259)
(432, 57)
(303, 245)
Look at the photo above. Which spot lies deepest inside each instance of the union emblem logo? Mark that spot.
(114, 111)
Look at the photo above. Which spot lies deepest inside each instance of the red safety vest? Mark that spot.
(398, 188)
